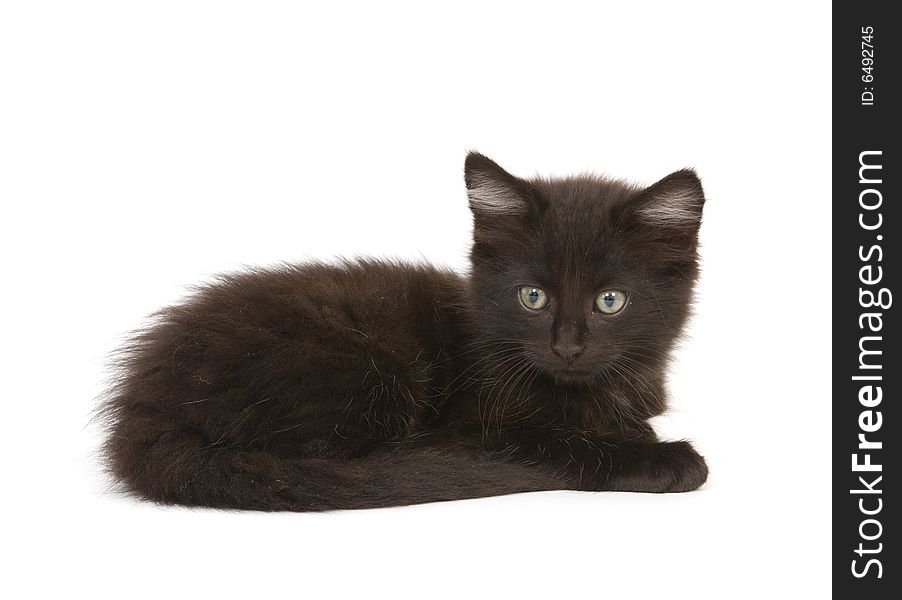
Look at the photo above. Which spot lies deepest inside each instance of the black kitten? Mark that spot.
(370, 383)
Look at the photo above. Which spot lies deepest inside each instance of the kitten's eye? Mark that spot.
(533, 298)
(610, 301)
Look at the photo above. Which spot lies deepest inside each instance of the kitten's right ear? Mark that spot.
(493, 192)
(674, 203)
(666, 216)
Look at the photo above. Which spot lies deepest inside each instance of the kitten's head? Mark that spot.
(585, 276)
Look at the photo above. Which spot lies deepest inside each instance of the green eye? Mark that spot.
(533, 298)
(610, 301)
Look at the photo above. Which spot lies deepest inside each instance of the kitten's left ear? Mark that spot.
(675, 203)
(496, 194)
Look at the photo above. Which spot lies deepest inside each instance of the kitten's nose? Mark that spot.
(567, 349)
(568, 339)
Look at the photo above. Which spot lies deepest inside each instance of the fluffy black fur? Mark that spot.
(371, 383)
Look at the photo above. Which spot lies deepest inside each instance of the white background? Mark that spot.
(145, 146)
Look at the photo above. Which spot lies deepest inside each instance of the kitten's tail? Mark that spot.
(182, 469)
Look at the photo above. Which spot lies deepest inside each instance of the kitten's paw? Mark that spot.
(662, 468)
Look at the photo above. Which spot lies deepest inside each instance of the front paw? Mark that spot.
(662, 467)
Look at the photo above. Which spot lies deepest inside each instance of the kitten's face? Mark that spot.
(588, 278)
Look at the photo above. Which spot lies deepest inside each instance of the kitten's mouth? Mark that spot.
(571, 374)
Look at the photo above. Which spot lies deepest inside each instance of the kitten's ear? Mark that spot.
(663, 219)
(674, 203)
(493, 192)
